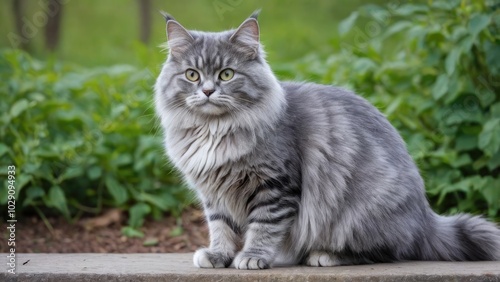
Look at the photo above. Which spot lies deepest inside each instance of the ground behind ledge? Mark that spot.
(102, 234)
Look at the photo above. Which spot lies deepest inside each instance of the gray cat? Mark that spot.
(295, 172)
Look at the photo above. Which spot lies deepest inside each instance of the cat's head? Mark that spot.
(216, 75)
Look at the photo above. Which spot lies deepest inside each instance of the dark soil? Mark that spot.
(103, 235)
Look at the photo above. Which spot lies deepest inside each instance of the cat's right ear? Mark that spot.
(178, 38)
(247, 36)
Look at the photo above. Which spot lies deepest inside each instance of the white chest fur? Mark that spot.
(200, 149)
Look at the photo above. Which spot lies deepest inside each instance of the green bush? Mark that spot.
(83, 139)
(434, 70)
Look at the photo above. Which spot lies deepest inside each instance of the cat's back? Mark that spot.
(307, 97)
(327, 116)
(334, 106)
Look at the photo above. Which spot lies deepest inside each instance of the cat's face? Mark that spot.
(214, 74)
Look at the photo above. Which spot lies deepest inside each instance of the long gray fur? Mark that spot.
(296, 172)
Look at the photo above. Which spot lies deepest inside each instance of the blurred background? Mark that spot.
(77, 119)
(92, 33)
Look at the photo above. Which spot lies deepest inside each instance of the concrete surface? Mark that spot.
(179, 267)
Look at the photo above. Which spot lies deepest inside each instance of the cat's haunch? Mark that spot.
(295, 172)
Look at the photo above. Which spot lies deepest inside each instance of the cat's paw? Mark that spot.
(322, 258)
(248, 261)
(206, 258)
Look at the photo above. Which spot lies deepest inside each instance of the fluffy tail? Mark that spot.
(461, 237)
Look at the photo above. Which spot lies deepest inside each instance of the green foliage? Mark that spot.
(83, 139)
(434, 70)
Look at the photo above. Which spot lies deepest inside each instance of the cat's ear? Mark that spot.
(178, 38)
(247, 36)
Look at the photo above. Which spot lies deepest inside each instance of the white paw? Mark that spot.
(318, 258)
(205, 258)
(245, 261)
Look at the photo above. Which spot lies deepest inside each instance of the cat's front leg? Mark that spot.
(224, 240)
(263, 239)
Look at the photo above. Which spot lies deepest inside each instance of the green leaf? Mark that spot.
(346, 25)
(122, 159)
(137, 213)
(116, 190)
(480, 163)
(117, 70)
(466, 43)
(397, 27)
(177, 231)
(4, 193)
(150, 242)
(495, 110)
(462, 160)
(21, 181)
(477, 23)
(393, 106)
(363, 65)
(466, 142)
(445, 5)
(71, 172)
(3, 149)
(440, 86)
(493, 56)
(407, 122)
(454, 88)
(452, 60)
(485, 95)
(458, 33)
(94, 172)
(410, 9)
(491, 194)
(58, 200)
(48, 152)
(494, 161)
(33, 193)
(461, 186)
(18, 107)
(477, 182)
(458, 113)
(489, 139)
(163, 203)
(132, 232)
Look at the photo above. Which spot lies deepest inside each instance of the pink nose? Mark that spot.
(208, 92)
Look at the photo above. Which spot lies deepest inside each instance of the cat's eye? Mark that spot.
(226, 74)
(192, 75)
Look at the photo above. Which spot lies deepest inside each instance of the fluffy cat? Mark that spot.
(295, 172)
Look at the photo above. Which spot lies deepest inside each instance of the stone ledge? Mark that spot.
(179, 267)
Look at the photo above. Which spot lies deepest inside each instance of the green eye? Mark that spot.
(226, 74)
(192, 75)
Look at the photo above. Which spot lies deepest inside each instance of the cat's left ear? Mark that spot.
(178, 38)
(247, 36)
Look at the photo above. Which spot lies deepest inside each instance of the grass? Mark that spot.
(106, 32)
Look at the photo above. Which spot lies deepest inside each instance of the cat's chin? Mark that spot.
(210, 109)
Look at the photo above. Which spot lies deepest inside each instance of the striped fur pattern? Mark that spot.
(296, 172)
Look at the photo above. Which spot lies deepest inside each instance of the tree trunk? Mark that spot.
(21, 38)
(53, 28)
(145, 18)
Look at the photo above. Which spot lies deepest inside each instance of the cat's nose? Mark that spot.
(208, 92)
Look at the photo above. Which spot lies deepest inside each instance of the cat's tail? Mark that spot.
(461, 237)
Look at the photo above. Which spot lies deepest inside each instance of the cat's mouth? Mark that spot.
(209, 106)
